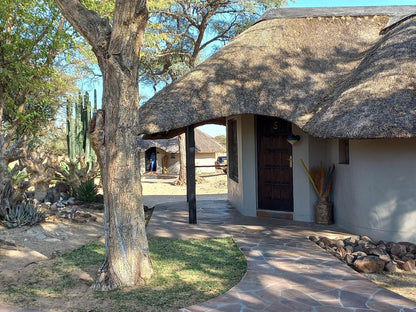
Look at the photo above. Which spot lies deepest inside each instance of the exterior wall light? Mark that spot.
(293, 138)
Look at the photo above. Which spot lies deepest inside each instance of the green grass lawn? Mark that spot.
(186, 272)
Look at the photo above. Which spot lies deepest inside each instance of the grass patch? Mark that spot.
(186, 272)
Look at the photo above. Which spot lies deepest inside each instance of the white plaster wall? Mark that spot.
(314, 152)
(173, 163)
(243, 194)
(205, 159)
(303, 193)
(375, 194)
(159, 156)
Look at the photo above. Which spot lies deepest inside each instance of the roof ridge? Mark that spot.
(394, 24)
(396, 12)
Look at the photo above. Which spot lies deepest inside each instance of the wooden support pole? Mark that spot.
(190, 173)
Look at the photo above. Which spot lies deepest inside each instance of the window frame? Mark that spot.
(232, 144)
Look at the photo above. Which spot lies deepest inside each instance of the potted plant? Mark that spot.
(322, 179)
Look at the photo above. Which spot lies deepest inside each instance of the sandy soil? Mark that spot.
(23, 249)
(208, 183)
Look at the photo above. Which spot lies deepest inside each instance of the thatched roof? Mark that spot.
(204, 143)
(333, 76)
(378, 98)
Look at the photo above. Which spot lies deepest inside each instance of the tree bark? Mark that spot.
(114, 140)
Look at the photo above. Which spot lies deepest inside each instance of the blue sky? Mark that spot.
(215, 130)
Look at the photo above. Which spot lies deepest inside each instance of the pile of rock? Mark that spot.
(367, 256)
(71, 209)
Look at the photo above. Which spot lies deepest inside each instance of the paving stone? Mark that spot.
(251, 301)
(269, 294)
(362, 286)
(389, 297)
(382, 306)
(331, 295)
(277, 306)
(332, 309)
(299, 296)
(296, 306)
(353, 300)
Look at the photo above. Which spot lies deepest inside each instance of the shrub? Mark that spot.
(22, 214)
(87, 192)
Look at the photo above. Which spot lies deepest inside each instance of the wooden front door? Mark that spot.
(274, 154)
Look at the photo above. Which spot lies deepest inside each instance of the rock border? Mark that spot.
(367, 256)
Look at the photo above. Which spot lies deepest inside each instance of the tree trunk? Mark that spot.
(9, 152)
(127, 254)
(113, 138)
(182, 163)
(41, 190)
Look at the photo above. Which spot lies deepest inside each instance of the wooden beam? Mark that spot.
(190, 173)
(172, 133)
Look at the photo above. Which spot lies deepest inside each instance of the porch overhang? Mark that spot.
(175, 132)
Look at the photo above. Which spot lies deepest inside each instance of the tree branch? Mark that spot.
(88, 23)
(219, 36)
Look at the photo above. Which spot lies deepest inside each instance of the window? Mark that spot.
(232, 149)
(344, 151)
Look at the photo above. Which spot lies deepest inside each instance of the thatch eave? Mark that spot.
(204, 143)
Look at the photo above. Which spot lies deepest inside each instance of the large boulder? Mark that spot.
(398, 249)
(408, 265)
(369, 264)
(390, 266)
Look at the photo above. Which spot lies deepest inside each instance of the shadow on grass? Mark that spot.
(186, 272)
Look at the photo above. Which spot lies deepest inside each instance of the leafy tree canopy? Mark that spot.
(35, 43)
(180, 31)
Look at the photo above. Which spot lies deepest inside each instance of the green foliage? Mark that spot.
(77, 171)
(179, 31)
(221, 139)
(91, 254)
(22, 214)
(104, 7)
(54, 139)
(33, 35)
(18, 176)
(87, 192)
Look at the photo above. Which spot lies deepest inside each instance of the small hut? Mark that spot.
(342, 81)
(168, 158)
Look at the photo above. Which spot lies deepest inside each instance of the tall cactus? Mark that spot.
(95, 101)
(70, 129)
(79, 126)
(78, 140)
(86, 123)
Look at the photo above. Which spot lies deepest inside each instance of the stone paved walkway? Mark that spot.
(286, 272)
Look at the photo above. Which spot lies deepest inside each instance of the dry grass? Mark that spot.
(401, 282)
(186, 272)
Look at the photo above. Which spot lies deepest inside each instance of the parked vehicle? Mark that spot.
(221, 163)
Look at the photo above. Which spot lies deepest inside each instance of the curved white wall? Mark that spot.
(243, 194)
(375, 194)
